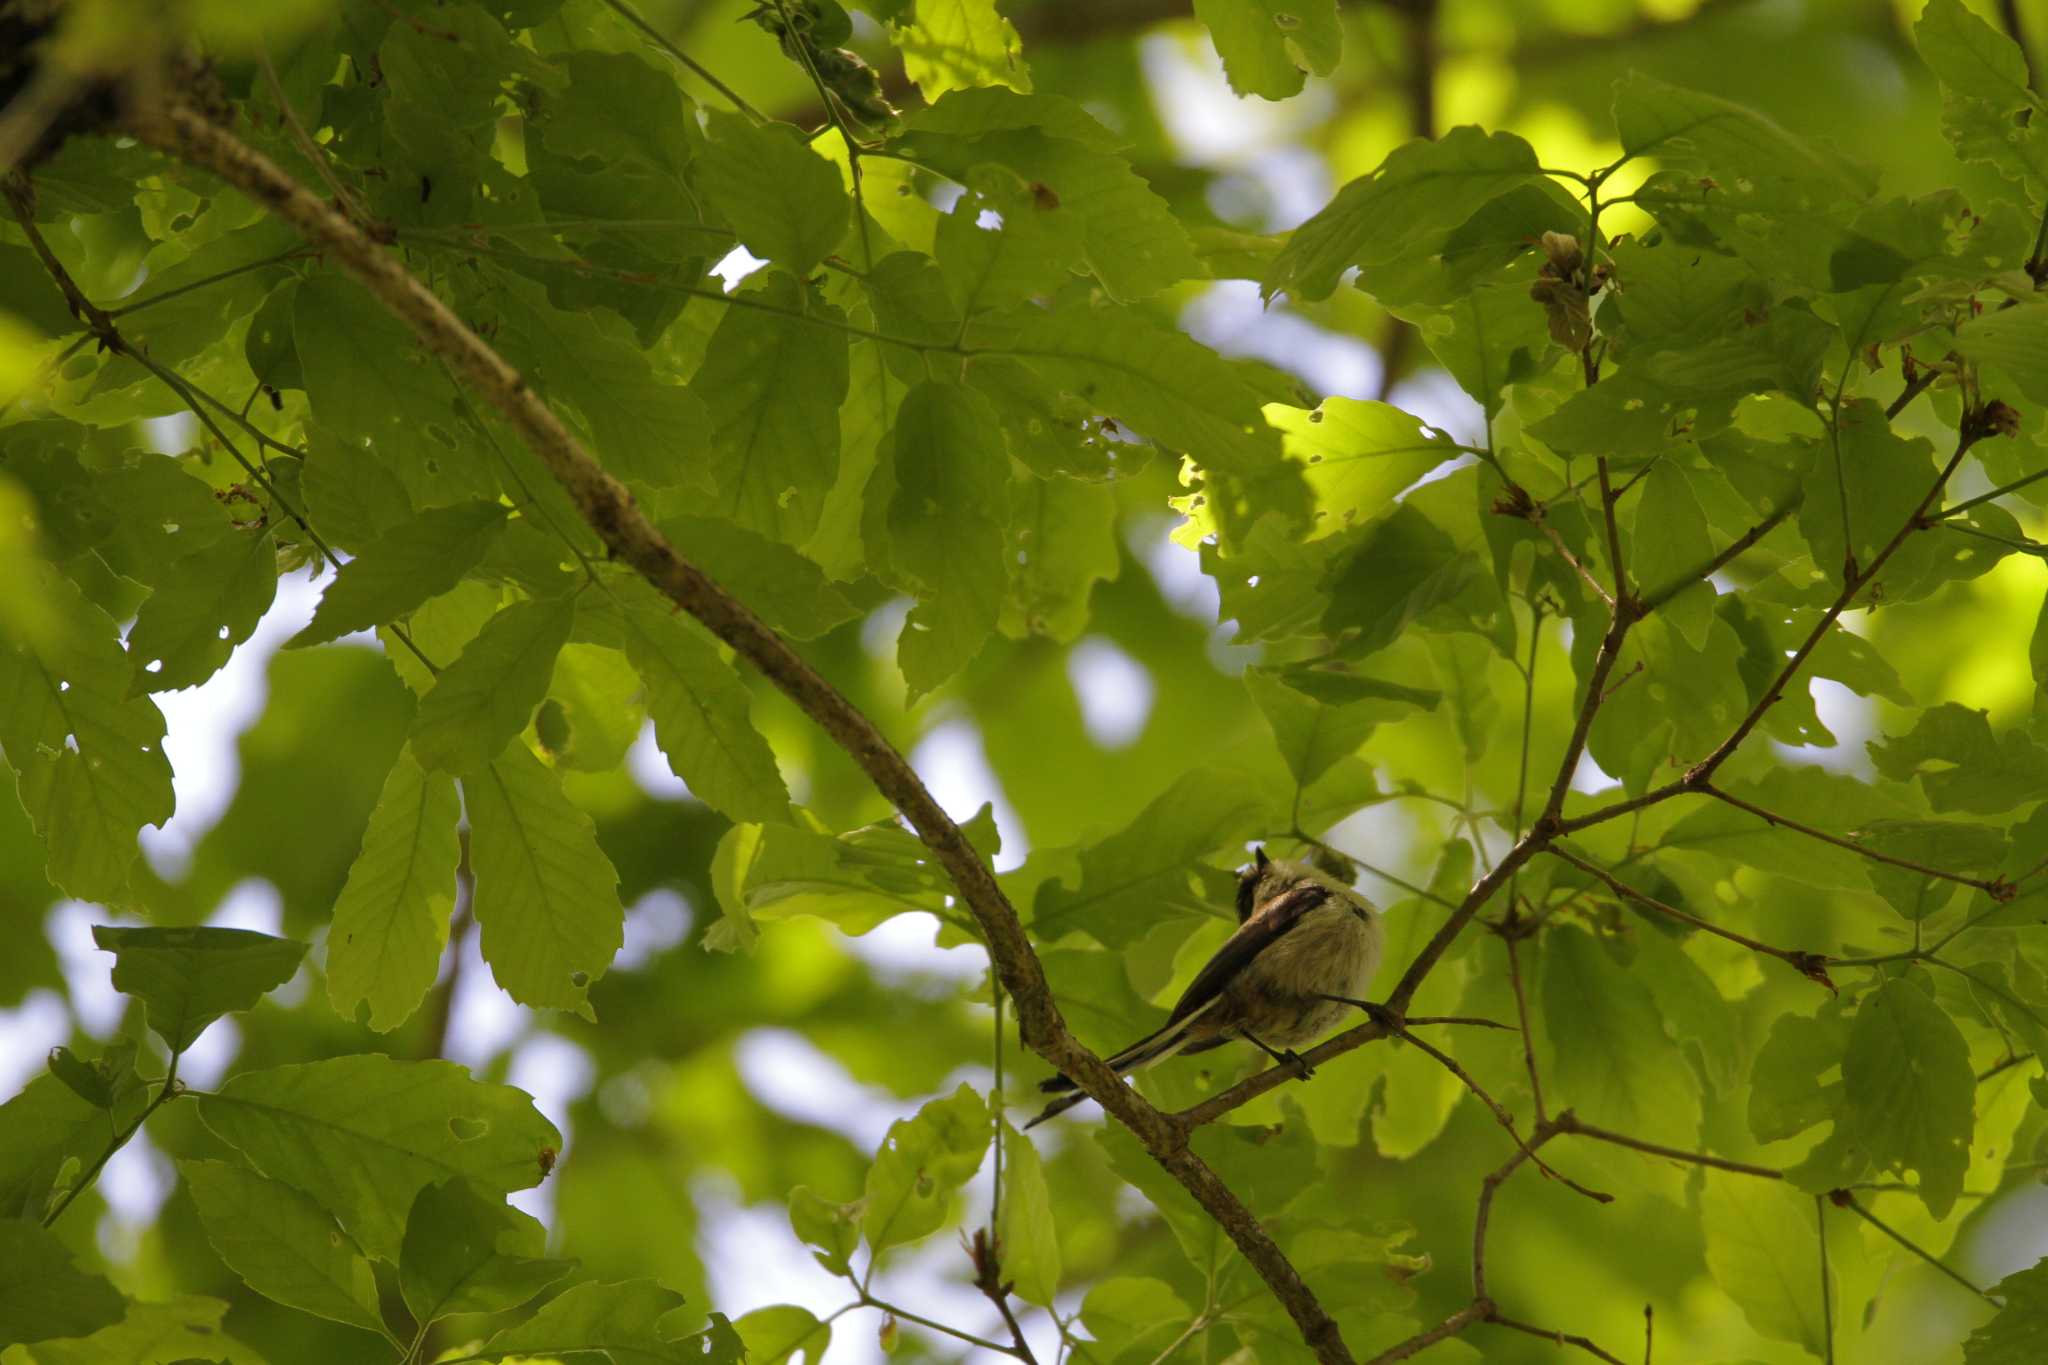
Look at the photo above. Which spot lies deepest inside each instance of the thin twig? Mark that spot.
(1977, 424)
(661, 40)
(344, 197)
(1996, 888)
(1568, 1122)
(1657, 598)
(1827, 1298)
(1457, 1322)
(1812, 966)
(1915, 384)
(1846, 1200)
(1565, 551)
(1511, 936)
(1553, 1334)
(1608, 499)
(168, 1090)
(1995, 493)
(1502, 1117)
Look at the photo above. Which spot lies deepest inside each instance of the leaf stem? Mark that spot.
(169, 1090)
(1997, 889)
(1568, 1122)
(661, 40)
(1812, 966)
(1845, 1199)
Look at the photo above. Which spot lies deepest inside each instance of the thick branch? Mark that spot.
(610, 510)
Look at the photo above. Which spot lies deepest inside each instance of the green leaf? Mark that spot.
(190, 977)
(1610, 1053)
(1314, 733)
(1090, 200)
(593, 711)
(1152, 869)
(362, 1134)
(1762, 163)
(623, 1319)
(1810, 795)
(1359, 455)
(391, 920)
(959, 45)
(386, 401)
(1488, 337)
(784, 200)
(2014, 340)
(988, 264)
(483, 699)
(1030, 1242)
(1269, 46)
(773, 380)
(1763, 1249)
(49, 1134)
(643, 427)
(774, 1334)
(206, 605)
(467, 1252)
(701, 710)
(283, 1244)
(1134, 1318)
(1786, 1095)
(1062, 542)
(2019, 1332)
(179, 1332)
(1422, 189)
(1668, 541)
(1158, 382)
(832, 1231)
(43, 1295)
(1971, 57)
(88, 757)
(547, 898)
(1948, 845)
(1403, 567)
(402, 568)
(946, 528)
(1976, 771)
(854, 880)
(1908, 1093)
(922, 1162)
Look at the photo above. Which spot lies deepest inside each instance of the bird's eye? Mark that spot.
(1247, 892)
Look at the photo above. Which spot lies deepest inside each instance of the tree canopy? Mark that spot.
(620, 622)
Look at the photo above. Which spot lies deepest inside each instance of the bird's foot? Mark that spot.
(1302, 1069)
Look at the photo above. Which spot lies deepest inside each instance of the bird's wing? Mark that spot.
(1253, 937)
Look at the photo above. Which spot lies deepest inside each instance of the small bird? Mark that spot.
(1305, 947)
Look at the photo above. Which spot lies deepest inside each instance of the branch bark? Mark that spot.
(183, 132)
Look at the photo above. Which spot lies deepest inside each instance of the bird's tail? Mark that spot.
(1153, 1047)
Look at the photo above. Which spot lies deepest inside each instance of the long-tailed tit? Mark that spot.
(1305, 947)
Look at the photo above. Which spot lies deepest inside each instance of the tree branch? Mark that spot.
(1995, 887)
(1812, 966)
(1553, 1334)
(609, 508)
(1568, 1122)
(1992, 418)
(1845, 1200)
(1476, 1311)
(1653, 600)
